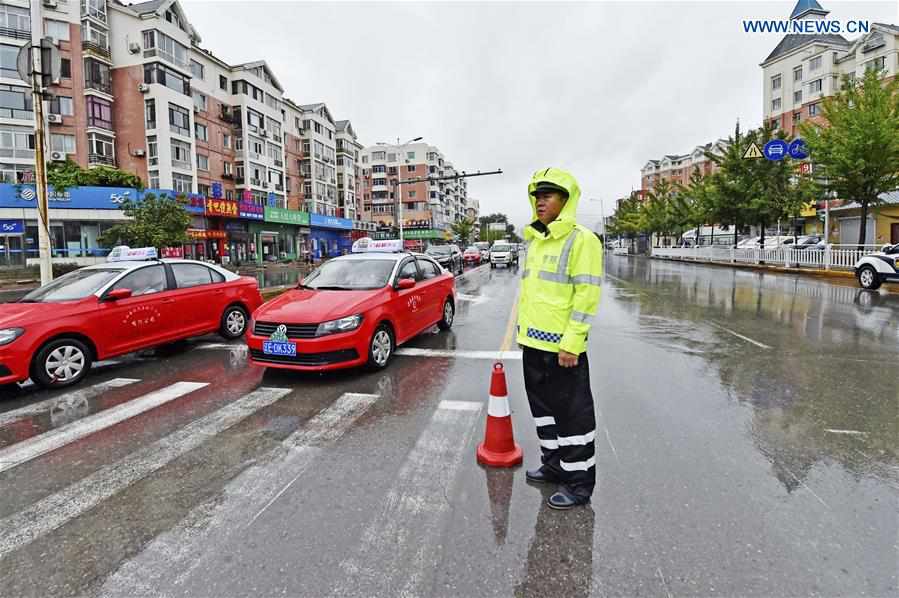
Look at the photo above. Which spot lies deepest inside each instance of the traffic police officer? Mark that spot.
(560, 291)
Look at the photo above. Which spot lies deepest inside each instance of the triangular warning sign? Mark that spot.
(753, 152)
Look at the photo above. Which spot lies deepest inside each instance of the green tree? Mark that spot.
(731, 187)
(464, 230)
(629, 218)
(693, 203)
(62, 175)
(856, 153)
(153, 222)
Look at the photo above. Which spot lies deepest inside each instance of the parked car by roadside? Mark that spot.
(875, 269)
(448, 256)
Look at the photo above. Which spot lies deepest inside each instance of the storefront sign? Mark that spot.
(221, 207)
(247, 195)
(91, 198)
(331, 222)
(285, 216)
(217, 190)
(236, 227)
(194, 233)
(250, 210)
(12, 227)
(428, 233)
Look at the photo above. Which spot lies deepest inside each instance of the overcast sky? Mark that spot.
(596, 88)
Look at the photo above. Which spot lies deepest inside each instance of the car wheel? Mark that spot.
(380, 348)
(449, 314)
(234, 322)
(869, 278)
(62, 362)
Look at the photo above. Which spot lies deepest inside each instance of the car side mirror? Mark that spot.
(405, 283)
(117, 294)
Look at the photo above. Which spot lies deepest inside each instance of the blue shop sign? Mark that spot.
(89, 198)
(317, 220)
(12, 227)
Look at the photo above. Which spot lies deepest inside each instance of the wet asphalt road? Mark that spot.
(747, 440)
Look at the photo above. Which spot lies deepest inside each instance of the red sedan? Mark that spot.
(353, 310)
(472, 256)
(54, 333)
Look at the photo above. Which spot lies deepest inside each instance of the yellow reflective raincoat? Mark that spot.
(562, 276)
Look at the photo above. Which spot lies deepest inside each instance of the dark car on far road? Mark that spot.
(448, 256)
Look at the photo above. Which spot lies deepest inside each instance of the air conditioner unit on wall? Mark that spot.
(54, 119)
(143, 88)
(58, 156)
(51, 3)
(134, 47)
(138, 153)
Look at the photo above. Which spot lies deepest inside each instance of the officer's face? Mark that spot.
(549, 205)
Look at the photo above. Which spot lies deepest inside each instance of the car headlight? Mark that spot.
(341, 325)
(8, 335)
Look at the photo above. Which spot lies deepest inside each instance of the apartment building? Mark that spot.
(804, 69)
(348, 148)
(678, 168)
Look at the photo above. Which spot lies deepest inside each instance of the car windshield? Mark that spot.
(501, 248)
(439, 250)
(472, 250)
(74, 285)
(350, 274)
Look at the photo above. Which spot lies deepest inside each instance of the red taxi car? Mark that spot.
(54, 333)
(353, 310)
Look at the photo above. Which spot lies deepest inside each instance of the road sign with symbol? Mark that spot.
(752, 152)
(776, 149)
(806, 168)
(798, 149)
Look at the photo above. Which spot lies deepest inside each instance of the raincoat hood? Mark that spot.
(562, 225)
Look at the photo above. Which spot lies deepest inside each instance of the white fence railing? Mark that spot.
(837, 257)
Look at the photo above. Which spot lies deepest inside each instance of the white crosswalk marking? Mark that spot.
(83, 394)
(56, 510)
(396, 549)
(50, 441)
(172, 556)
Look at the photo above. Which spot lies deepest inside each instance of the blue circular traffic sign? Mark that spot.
(798, 149)
(776, 149)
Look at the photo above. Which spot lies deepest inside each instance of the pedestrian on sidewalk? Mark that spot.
(560, 289)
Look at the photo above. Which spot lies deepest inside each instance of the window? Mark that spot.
(223, 83)
(181, 155)
(65, 68)
(199, 101)
(97, 76)
(92, 34)
(17, 142)
(95, 9)
(101, 148)
(411, 194)
(153, 179)
(150, 113)
(410, 155)
(797, 97)
(15, 102)
(159, 44)
(203, 190)
(815, 86)
(201, 132)
(878, 64)
(145, 281)
(58, 30)
(197, 69)
(191, 275)
(202, 162)
(226, 141)
(797, 117)
(379, 168)
(163, 75)
(99, 113)
(182, 183)
(391, 157)
(179, 120)
(814, 109)
(228, 168)
(153, 150)
(62, 105)
(410, 168)
(318, 127)
(8, 56)
(814, 64)
(775, 82)
(13, 17)
(797, 74)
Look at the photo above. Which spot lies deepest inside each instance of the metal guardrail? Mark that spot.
(831, 257)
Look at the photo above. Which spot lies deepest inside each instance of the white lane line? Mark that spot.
(804, 485)
(664, 583)
(50, 441)
(56, 510)
(740, 336)
(472, 298)
(612, 446)
(416, 352)
(398, 547)
(460, 405)
(847, 432)
(204, 533)
(83, 394)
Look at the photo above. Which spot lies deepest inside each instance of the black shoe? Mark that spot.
(564, 500)
(541, 476)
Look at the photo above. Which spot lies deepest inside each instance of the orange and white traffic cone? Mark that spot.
(499, 448)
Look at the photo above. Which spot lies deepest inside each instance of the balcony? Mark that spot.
(99, 123)
(97, 49)
(279, 163)
(277, 138)
(183, 165)
(279, 187)
(15, 33)
(95, 159)
(101, 86)
(256, 182)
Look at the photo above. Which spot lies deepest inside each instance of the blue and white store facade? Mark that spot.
(329, 236)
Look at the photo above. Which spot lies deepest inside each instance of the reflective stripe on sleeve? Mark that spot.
(544, 421)
(554, 277)
(581, 440)
(579, 316)
(587, 279)
(578, 465)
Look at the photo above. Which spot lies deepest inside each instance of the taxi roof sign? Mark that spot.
(369, 245)
(123, 253)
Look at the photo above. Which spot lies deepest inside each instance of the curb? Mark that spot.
(763, 268)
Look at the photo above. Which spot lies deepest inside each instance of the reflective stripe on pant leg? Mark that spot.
(576, 425)
(539, 399)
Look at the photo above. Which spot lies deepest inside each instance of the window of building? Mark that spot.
(878, 64)
(411, 194)
(152, 151)
(101, 148)
(150, 113)
(379, 156)
(318, 127)
(797, 97)
(65, 68)
(97, 75)
(815, 63)
(814, 109)
(17, 142)
(163, 75)
(816, 86)
(775, 82)
(157, 43)
(182, 183)
(379, 168)
(199, 101)
(201, 132)
(93, 34)
(797, 116)
(228, 168)
(15, 102)
(391, 157)
(13, 17)
(410, 155)
(95, 9)
(226, 140)
(202, 162)
(58, 30)
(179, 120)
(197, 69)
(62, 105)
(181, 155)
(8, 56)
(99, 113)
(797, 74)
(153, 179)
(391, 170)
(203, 190)
(410, 167)
(223, 83)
